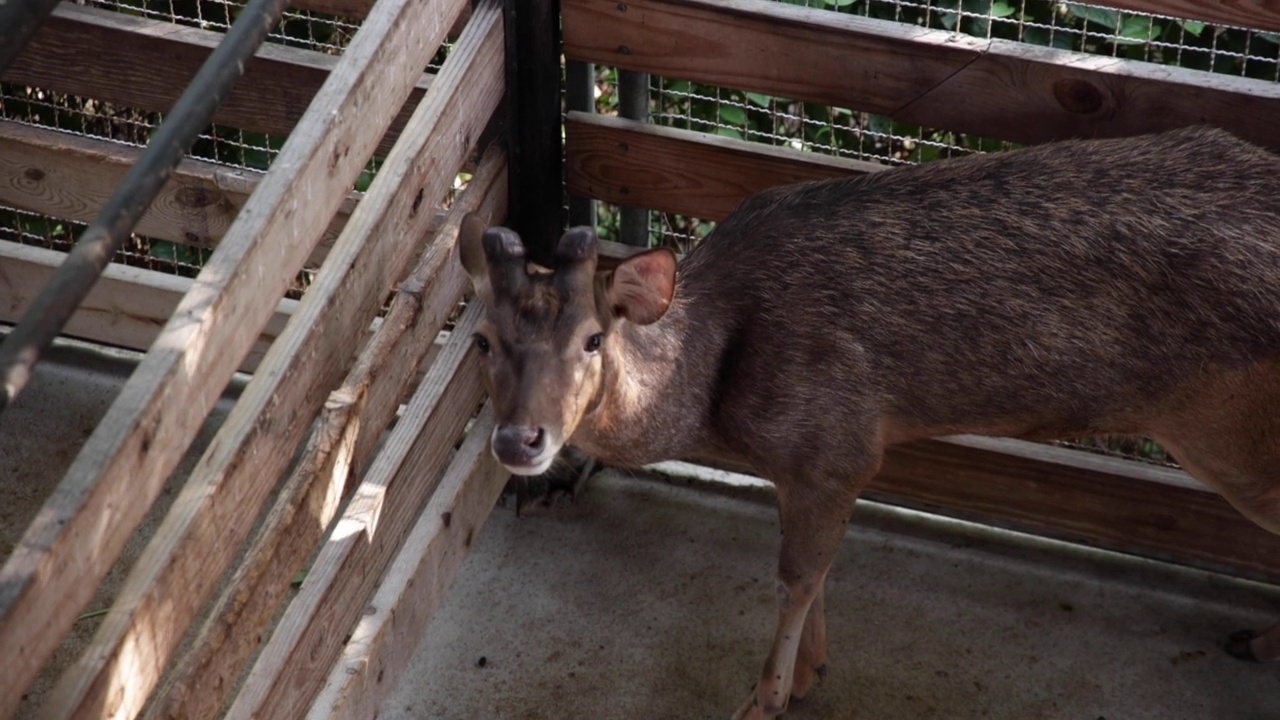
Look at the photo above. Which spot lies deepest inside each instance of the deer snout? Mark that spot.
(522, 449)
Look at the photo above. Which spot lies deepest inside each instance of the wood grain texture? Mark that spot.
(996, 88)
(351, 422)
(226, 491)
(297, 659)
(145, 64)
(126, 308)
(70, 177)
(1104, 502)
(682, 171)
(81, 529)
(415, 584)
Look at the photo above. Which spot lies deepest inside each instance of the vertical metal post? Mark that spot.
(533, 84)
(580, 95)
(633, 104)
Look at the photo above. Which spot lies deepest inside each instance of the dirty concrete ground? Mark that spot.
(653, 598)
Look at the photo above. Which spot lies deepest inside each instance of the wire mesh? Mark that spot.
(95, 118)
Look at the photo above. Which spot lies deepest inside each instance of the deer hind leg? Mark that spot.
(1239, 456)
(814, 518)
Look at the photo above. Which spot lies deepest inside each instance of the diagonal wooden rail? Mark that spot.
(82, 528)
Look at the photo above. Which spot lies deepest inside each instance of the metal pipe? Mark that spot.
(580, 95)
(633, 104)
(19, 20)
(48, 314)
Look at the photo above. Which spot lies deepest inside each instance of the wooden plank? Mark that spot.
(70, 177)
(77, 535)
(144, 64)
(1255, 14)
(126, 308)
(682, 171)
(1072, 495)
(294, 664)
(995, 88)
(216, 509)
(415, 585)
(350, 424)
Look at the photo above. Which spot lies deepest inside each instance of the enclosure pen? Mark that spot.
(357, 447)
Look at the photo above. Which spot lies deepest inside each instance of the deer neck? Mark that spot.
(655, 397)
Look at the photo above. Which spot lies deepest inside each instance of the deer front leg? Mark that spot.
(814, 521)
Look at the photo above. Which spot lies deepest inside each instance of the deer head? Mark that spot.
(546, 332)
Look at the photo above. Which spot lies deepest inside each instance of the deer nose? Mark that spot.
(519, 444)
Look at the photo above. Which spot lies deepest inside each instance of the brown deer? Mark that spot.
(1127, 287)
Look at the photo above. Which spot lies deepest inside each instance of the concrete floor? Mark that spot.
(653, 598)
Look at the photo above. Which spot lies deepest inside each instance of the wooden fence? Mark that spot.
(325, 388)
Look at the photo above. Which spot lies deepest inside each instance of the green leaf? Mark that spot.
(1001, 9)
(839, 3)
(733, 115)
(947, 15)
(1273, 38)
(729, 132)
(1194, 27)
(760, 99)
(1109, 19)
(1137, 30)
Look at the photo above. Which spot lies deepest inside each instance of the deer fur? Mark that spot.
(1124, 286)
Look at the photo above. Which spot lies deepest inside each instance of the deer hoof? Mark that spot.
(1240, 645)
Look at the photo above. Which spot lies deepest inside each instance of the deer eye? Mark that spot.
(482, 343)
(594, 342)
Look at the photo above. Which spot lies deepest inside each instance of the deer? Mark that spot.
(1106, 287)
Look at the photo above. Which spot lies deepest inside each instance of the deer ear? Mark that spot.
(642, 286)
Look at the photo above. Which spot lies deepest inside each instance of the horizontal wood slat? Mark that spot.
(126, 308)
(1104, 502)
(70, 177)
(145, 64)
(996, 88)
(1255, 14)
(660, 168)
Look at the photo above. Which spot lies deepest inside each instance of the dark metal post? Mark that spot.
(533, 84)
(19, 20)
(580, 95)
(633, 104)
(49, 313)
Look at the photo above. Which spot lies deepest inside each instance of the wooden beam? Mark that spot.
(297, 659)
(71, 176)
(1105, 502)
(415, 585)
(938, 79)
(126, 308)
(351, 423)
(682, 171)
(145, 64)
(80, 531)
(181, 566)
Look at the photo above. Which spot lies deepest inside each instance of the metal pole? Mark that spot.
(580, 95)
(19, 20)
(50, 311)
(633, 104)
